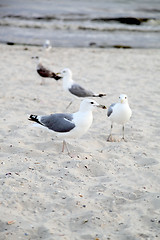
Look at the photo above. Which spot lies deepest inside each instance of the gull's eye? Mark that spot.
(119, 97)
(125, 97)
(92, 102)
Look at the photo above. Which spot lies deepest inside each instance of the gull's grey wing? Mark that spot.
(79, 91)
(58, 122)
(110, 109)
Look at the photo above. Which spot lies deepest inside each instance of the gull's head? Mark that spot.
(123, 98)
(66, 72)
(47, 43)
(89, 104)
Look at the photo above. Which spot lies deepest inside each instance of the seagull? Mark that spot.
(44, 72)
(47, 45)
(119, 113)
(74, 88)
(66, 125)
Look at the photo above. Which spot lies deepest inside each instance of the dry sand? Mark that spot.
(108, 190)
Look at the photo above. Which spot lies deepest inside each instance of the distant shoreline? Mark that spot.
(101, 24)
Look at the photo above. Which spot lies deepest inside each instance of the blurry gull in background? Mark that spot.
(74, 88)
(44, 72)
(66, 125)
(47, 45)
(119, 113)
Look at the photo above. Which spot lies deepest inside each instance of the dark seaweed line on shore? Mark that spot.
(124, 20)
(117, 29)
(90, 45)
(83, 28)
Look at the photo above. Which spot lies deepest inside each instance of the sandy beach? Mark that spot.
(108, 190)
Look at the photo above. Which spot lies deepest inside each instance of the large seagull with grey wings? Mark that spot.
(67, 125)
(75, 89)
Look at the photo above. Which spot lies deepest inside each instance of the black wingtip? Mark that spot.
(33, 118)
(104, 107)
(57, 78)
(101, 95)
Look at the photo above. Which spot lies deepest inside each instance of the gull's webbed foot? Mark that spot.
(111, 139)
(123, 139)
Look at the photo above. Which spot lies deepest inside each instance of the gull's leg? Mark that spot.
(69, 105)
(63, 145)
(67, 148)
(42, 82)
(123, 131)
(110, 139)
(123, 134)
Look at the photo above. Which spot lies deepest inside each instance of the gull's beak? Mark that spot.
(58, 76)
(122, 101)
(102, 106)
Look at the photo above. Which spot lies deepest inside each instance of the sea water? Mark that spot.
(81, 23)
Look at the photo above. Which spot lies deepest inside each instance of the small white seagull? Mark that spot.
(74, 88)
(47, 45)
(43, 71)
(119, 113)
(66, 125)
